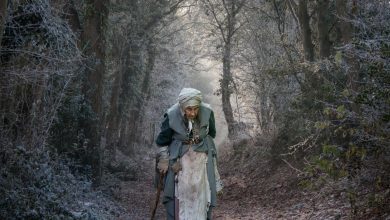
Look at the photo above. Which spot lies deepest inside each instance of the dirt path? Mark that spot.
(137, 197)
(275, 197)
(249, 195)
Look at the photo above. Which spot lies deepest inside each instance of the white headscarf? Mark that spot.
(189, 97)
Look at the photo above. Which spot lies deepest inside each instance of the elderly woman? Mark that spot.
(192, 180)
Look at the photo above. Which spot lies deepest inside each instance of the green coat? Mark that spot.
(173, 133)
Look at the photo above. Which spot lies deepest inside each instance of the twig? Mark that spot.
(299, 171)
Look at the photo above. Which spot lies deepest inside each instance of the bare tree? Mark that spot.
(346, 32)
(304, 22)
(135, 32)
(323, 27)
(225, 15)
(72, 16)
(3, 16)
(93, 38)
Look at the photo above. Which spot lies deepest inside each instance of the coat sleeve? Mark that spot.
(164, 138)
(212, 129)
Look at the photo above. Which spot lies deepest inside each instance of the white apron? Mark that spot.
(193, 190)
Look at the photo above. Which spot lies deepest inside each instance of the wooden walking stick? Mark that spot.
(159, 188)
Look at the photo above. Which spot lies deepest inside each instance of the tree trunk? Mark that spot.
(120, 48)
(226, 90)
(323, 20)
(343, 26)
(113, 118)
(93, 39)
(145, 92)
(345, 37)
(304, 21)
(130, 97)
(226, 26)
(138, 107)
(227, 77)
(345, 30)
(149, 68)
(72, 16)
(3, 16)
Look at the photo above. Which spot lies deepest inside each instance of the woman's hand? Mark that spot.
(162, 165)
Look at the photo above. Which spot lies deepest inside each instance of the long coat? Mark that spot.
(174, 133)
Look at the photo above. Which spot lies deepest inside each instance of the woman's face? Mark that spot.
(191, 112)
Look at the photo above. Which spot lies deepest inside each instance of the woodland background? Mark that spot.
(302, 85)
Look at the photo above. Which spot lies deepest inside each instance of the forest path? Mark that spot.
(249, 193)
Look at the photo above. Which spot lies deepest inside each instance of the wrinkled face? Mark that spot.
(191, 112)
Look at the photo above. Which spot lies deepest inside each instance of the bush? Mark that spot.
(342, 116)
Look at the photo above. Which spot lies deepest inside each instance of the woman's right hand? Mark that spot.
(162, 165)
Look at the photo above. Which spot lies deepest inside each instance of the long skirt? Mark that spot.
(192, 189)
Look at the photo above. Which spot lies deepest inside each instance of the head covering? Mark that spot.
(189, 97)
